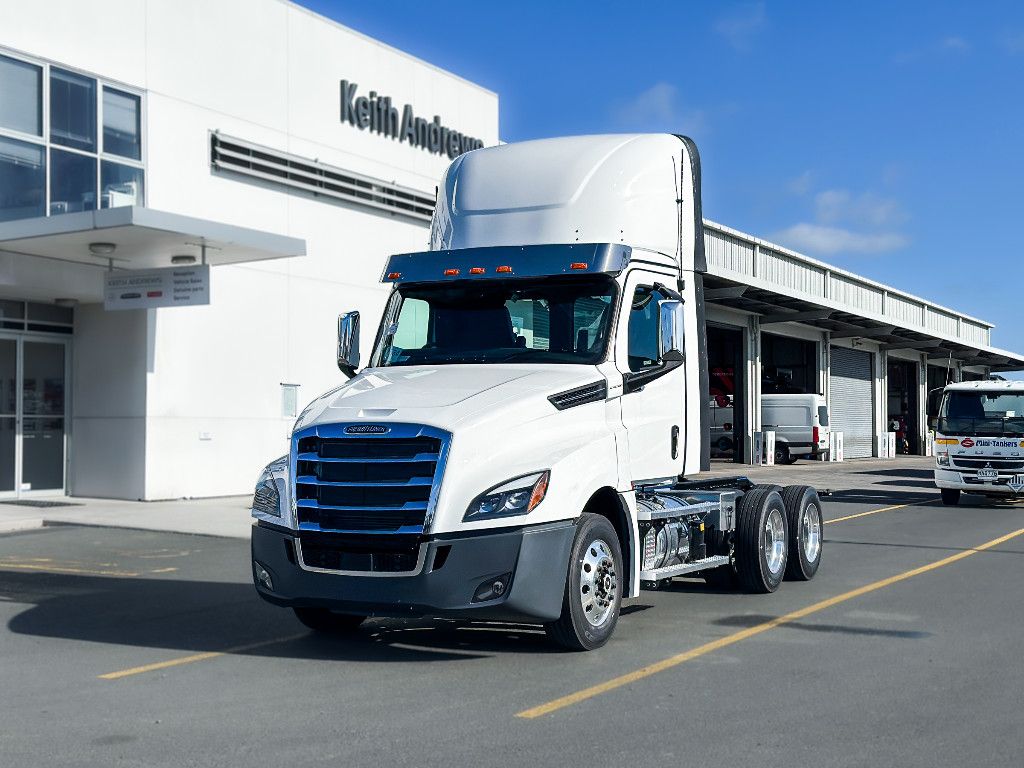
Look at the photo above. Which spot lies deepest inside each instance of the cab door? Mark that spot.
(654, 389)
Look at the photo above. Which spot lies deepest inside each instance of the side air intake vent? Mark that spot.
(588, 393)
(271, 165)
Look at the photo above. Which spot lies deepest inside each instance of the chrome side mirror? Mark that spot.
(671, 325)
(348, 343)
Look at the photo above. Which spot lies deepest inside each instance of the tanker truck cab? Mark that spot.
(979, 440)
(518, 444)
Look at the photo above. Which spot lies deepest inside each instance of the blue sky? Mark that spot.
(882, 137)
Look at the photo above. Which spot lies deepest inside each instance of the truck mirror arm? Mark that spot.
(634, 382)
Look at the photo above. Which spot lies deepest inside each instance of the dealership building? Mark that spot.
(191, 192)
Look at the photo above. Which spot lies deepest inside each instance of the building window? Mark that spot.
(79, 134)
(21, 96)
(22, 179)
(72, 182)
(120, 185)
(121, 124)
(72, 110)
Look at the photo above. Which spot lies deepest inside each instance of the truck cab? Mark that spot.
(979, 440)
(517, 446)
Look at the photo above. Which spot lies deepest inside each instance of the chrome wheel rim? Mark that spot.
(811, 536)
(599, 584)
(775, 541)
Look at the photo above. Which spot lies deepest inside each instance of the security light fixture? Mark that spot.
(102, 249)
(183, 258)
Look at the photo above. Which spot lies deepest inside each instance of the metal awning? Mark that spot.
(142, 238)
(776, 307)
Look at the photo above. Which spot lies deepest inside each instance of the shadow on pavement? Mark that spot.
(752, 621)
(905, 472)
(201, 616)
(880, 497)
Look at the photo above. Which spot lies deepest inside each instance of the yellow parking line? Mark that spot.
(196, 657)
(876, 511)
(50, 568)
(714, 645)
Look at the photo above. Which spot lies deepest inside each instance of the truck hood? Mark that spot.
(444, 395)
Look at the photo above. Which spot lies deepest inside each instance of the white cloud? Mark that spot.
(742, 25)
(659, 108)
(1013, 43)
(825, 240)
(955, 43)
(801, 185)
(846, 223)
(837, 205)
(949, 45)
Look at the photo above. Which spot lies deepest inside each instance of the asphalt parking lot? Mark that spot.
(123, 647)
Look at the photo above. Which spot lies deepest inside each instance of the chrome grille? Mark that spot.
(1002, 463)
(367, 483)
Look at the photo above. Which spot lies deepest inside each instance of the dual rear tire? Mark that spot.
(778, 536)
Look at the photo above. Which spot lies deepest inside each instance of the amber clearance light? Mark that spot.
(578, 265)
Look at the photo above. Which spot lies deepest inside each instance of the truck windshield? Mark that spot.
(986, 414)
(552, 320)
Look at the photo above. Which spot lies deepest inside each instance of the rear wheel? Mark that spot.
(590, 604)
(762, 540)
(328, 622)
(950, 496)
(782, 455)
(803, 516)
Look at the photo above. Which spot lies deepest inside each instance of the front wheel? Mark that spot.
(950, 496)
(593, 588)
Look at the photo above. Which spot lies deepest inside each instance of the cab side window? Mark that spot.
(643, 328)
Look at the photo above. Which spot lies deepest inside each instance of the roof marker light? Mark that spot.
(578, 265)
(394, 275)
(504, 269)
(451, 273)
(476, 270)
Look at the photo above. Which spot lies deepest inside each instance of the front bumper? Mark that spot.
(537, 557)
(967, 482)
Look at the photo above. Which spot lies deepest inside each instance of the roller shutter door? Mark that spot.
(850, 400)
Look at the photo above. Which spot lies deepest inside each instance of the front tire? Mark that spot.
(328, 622)
(803, 516)
(762, 540)
(950, 496)
(593, 588)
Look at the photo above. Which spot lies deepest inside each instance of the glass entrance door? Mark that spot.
(33, 417)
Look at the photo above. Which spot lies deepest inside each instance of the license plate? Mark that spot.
(988, 474)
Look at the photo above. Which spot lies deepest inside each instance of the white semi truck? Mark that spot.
(979, 440)
(517, 447)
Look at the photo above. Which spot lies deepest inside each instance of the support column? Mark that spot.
(752, 344)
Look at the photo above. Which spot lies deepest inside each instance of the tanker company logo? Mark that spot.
(367, 429)
(967, 442)
(378, 114)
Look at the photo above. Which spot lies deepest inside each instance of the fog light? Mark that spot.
(492, 589)
(263, 576)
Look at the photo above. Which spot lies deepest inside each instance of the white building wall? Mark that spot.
(205, 413)
(107, 436)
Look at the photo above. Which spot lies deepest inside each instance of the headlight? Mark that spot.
(266, 500)
(514, 497)
(942, 458)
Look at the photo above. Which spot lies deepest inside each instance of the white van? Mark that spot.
(800, 423)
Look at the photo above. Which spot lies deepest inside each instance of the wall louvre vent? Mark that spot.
(240, 156)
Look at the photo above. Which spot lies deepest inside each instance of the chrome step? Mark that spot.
(667, 572)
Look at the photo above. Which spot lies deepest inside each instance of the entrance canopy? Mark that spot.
(782, 286)
(65, 255)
